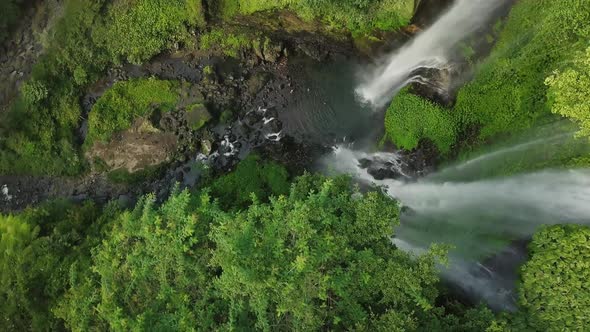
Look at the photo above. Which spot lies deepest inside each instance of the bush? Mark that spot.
(410, 119)
(33, 92)
(227, 42)
(137, 30)
(358, 17)
(569, 90)
(555, 292)
(126, 101)
(251, 177)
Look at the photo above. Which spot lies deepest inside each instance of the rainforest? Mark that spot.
(294, 165)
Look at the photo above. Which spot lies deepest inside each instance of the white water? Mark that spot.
(479, 218)
(430, 49)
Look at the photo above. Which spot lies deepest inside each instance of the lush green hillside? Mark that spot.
(538, 66)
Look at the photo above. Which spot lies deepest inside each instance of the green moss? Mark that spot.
(410, 119)
(126, 101)
(197, 116)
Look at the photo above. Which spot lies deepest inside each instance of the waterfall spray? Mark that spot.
(430, 49)
(479, 218)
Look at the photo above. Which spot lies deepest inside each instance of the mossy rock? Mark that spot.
(197, 116)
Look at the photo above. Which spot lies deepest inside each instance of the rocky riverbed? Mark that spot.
(291, 103)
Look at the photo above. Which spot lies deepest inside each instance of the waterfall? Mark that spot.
(479, 218)
(430, 49)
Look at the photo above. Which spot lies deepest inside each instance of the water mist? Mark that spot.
(430, 49)
(479, 218)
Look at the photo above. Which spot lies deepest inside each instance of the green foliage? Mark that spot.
(460, 319)
(569, 90)
(11, 12)
(38, 137)
(320, 259)
(137, 30)
(229, 43)
(555, 292)
(33, 92)
(356, 16)
(410, 119)
(126, 101)
(508, 93)
(38, 247)
(251, 177)
(150, 273)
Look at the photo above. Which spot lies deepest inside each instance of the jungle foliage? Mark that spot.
(316, 257)
(411, 119)
(356, 16)
(538, 66)
(555, 293)
(38, 136)
(126, 101)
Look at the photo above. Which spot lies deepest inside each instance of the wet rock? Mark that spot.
(197, 116)
(206, 147)
(272, 51)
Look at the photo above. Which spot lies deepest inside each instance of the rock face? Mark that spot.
(18, 55)
(136, 149)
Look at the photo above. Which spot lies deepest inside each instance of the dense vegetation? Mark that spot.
(126, 101)
(257, 249)
(411, 119)
(316, 257)
(539, 65)
(555, 292)
(319, 257)
(356, 16)
(39, 131)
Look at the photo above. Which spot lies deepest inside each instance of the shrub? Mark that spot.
(358, 17)
(410, 119)
(138, 30)
(251, 177)
(555, 292)
(569, 90)
(127, 100)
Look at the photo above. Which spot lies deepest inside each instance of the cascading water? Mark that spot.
(487, 219)
(479, 218)
(430, 49)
